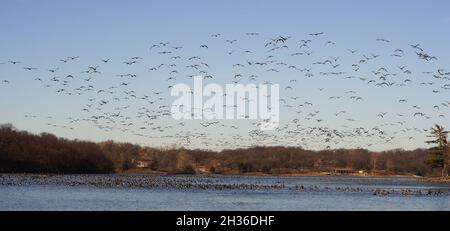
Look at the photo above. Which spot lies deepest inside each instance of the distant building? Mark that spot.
(201, 169)
(344, 171)
(141, 164)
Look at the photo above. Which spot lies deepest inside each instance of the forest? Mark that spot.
(23, 152)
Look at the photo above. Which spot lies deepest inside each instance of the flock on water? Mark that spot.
(183, 182)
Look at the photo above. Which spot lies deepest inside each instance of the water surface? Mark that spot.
(159, 192)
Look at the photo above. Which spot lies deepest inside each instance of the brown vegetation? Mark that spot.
(45, 153)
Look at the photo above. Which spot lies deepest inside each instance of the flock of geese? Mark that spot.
(328, 91)
(208, 183)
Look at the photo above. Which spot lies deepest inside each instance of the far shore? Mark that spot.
(309, 174)
(235, 173)
(436, 179)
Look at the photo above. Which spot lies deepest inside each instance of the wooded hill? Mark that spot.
(22, 152)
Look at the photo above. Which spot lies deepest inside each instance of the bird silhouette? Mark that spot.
(326, 90)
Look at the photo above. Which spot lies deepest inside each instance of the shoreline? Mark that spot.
(252, 174)
(340, 184)
(309, 174)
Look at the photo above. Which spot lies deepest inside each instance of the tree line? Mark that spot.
(22, 152)
(45, 153)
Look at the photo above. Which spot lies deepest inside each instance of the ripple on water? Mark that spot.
(162, 192)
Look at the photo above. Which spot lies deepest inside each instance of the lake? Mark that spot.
(181, 192)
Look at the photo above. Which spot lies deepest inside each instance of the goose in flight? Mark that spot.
(419, 114)
(330, 42)
(53, 70)
(316, 34)
(130, 62)
(383, 40)
(282, 39)
(153, 46)
(382, 114)
(417, 46)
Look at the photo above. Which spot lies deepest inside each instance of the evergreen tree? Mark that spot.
(440, 152)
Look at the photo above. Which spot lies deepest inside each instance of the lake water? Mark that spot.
(159, 192)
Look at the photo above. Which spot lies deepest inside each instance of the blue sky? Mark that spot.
(39, 33)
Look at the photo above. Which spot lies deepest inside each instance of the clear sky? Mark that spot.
(40, 33)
